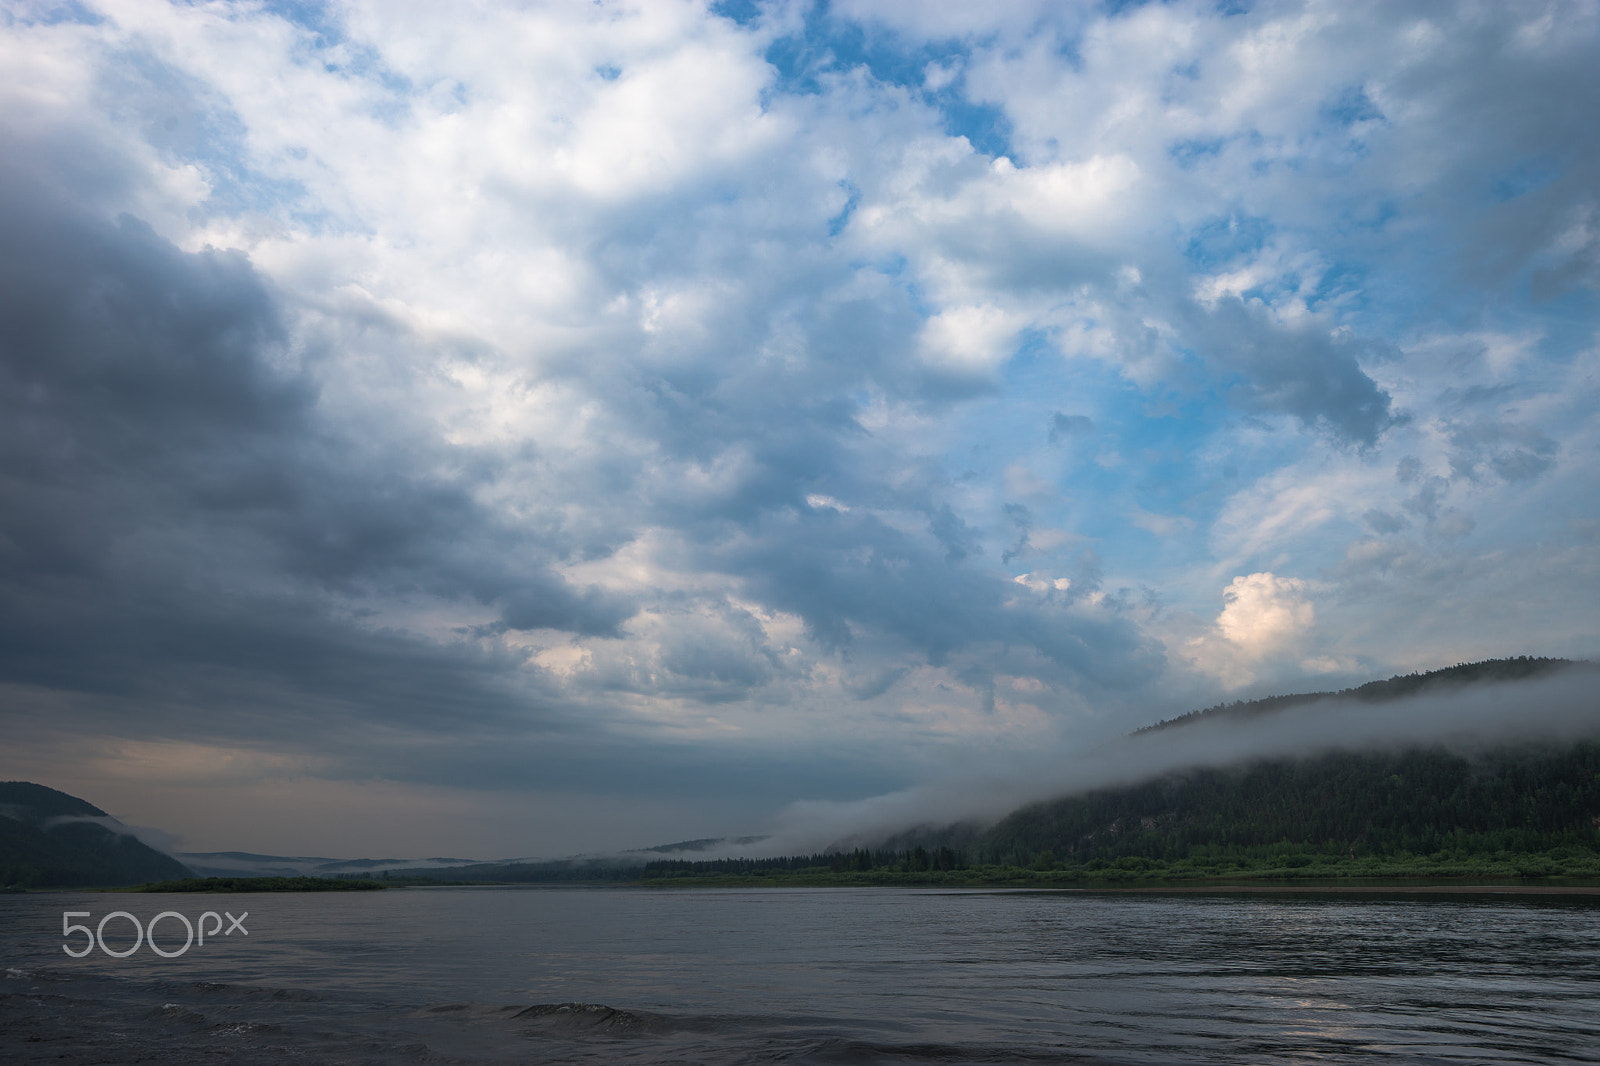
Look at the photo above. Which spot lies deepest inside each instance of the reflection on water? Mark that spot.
(829, 975)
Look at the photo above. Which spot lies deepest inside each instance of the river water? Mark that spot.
(626, 975)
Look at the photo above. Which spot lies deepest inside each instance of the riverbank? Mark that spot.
(259, 884)
(1554, 870)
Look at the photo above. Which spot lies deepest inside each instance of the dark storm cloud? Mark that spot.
(958, 539)
(1064, 426)
(178, 518)
(1514, 452)
(110, 332)
(1303, 371)
(842, 571)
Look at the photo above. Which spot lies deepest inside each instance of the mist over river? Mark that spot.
(808, 976)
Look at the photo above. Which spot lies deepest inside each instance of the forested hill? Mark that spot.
(1356, 804)
(49, 839)
(1533, 799)
(1422, 813)
(1520, 668)
(1528, 810)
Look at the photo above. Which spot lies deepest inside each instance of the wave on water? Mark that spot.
(852, 978)
(559, 1019)
(75, 1019)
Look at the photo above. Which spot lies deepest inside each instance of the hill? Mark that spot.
(1401, 686)
(1419, 802)
(49, 839)
(252, 864)
(1418, 809)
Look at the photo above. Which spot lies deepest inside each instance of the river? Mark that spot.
(846, 976)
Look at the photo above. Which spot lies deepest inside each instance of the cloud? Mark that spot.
(1264, 618)
(1063, 426)
(1262, 612)
(179, 502)
(155, 838)
(1302, 370)
(1513, 452)
(1162, 525)
(543, 387)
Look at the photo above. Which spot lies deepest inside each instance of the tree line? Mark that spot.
(916, 859)
(1420, 801)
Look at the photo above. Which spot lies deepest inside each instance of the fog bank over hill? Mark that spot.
(49, 839)
(1559, 703)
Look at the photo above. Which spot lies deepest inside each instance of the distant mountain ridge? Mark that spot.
(1400, 686)
(701, 844)
(617, 866)
(250, 864)
(49, 839)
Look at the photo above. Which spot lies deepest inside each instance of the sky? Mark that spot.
(518, 429)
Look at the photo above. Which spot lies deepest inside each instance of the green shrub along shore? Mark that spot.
(1262, 864)
(1283, 862)
(262, 884)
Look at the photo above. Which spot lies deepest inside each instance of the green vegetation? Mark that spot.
(562, 871)
(1280, 864)
(264, 884)
(1337, 806)
(49, 839)
(1518, 668)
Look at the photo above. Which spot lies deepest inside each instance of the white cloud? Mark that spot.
(1263, 612)
(969, 340)
(1292, 505)
(1266, 620)
(1162, 525)
(1043, 583)
(746, 368)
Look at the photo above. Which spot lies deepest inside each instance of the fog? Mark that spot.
(1556, 708)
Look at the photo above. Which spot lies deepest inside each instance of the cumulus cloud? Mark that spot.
(1264, 617)
(604, 378)
(1263, 612)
